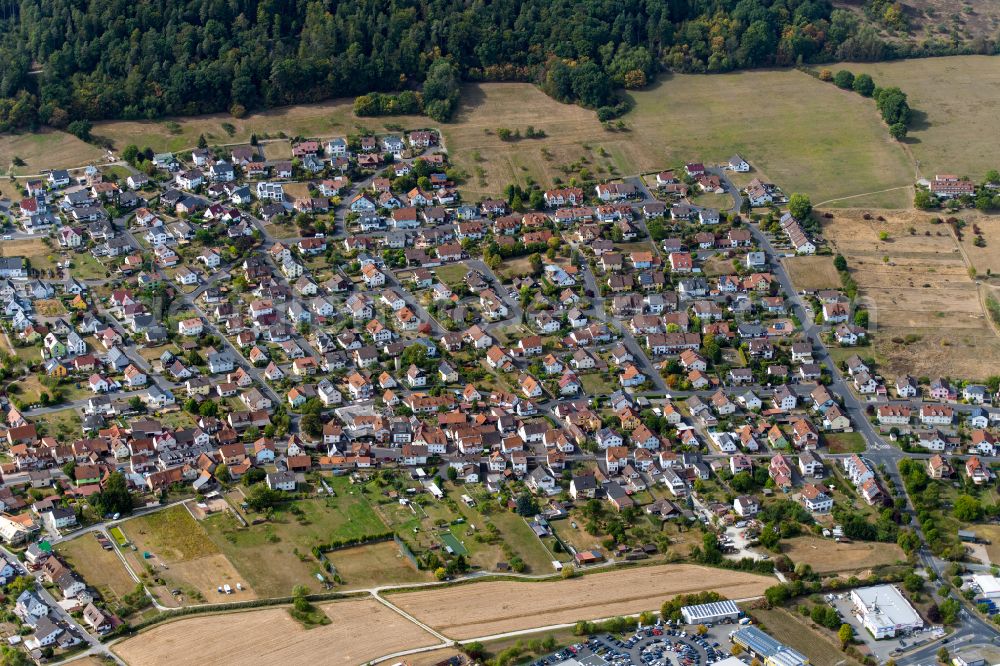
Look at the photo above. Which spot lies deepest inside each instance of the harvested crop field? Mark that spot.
(826, 556)
(812, 273)
(925, 308)
(271, 635)
(486, 609)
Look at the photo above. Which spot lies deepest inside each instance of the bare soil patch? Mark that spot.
(717, 265)
(50, 307)
(824, 555)
(362, 630)
(483, 609)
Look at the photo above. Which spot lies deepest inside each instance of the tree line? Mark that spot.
(891, 102)
(66, 60)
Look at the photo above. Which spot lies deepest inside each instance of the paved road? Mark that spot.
(596, 310)
(838, 386)
(881, 453)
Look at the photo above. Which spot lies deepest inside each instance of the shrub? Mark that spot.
(844, 79)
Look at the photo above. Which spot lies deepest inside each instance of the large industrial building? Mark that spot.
(884, 611)
(989, 586)
(767, 649)
(710, 613)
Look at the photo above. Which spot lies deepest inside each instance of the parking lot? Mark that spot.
(658, 645)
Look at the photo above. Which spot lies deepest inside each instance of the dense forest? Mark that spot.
(66, 60)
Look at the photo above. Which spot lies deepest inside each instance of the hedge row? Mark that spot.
(337, 544)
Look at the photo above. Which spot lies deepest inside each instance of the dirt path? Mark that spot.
(863, 194)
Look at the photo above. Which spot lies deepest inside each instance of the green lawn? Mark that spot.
(274, 556)
(838, 354)
(64, 424)
(85, 267)
(425, 523)
(519, 536)
(511, 528)
(596, 383)
(173, 533)
(450, 540)
(451, 274)
(712, 200)
(119, 172)
(844, 442)
(118, 536)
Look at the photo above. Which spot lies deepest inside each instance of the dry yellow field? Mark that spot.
(957, 121)
(46, 149)
(296, 191)
(924, 306)
(34, 249)
(990, 533)
(682, 117)
(101, 569)
(175, 134)
(986, 259)
(812, 273)
(362, 630)
(825, 556)
(685, 118)
(679, 119)
(375, 564)
(804, 636)
(486, 609)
